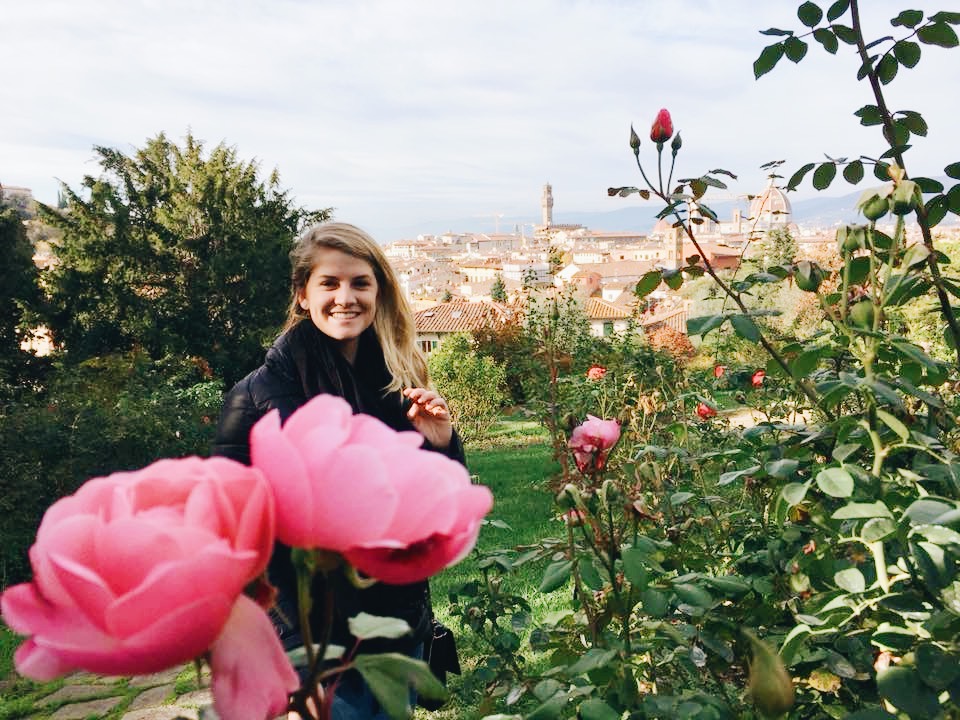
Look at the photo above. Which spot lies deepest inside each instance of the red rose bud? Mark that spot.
(719, 370)
(705, 411)
(757, 378)
(574, 518)
(662, 127)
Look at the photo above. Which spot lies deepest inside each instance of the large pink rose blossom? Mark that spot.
(591, 441)
(141, 571)
(349, 484)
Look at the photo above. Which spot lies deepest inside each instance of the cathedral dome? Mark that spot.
(770, 208)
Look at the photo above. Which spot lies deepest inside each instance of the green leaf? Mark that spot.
(894, 424)
(936, 667)
(876, 529)
(783, 469)
(365, 627)
(937, 209)
(857, 511)
(835, 482)
(647, 284)
(728, 477)
(928, 185)
(853, 172)
(798, 176)
(850, 580)
(673, 280)
(588, 572)
(633, 567)
(908, 18)
(953, 199)
(794, 493)
(745, 327)
(837, 9)
(654, 602)
(904, 690)
(592, 659)
(727, 584)
(390, 676)
(704, 324)
(844, 33)
(887, 69)
(823, 175)
(827, 39)
(953, 170)
(907, 52)
(881, 171)
(693, 595)
(768, 59)
(595, 709)
(776, 32)
(802, 365)
(679, 498)
(792, 642)
(794, 48)
(810, 14)
(938, 34)
(556, 574)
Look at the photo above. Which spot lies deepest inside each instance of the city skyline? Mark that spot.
(399, 113)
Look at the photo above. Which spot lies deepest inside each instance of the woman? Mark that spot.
(350, 333)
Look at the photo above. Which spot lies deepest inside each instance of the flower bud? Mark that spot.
(770, 685)
(662, 127)
(634, 141)
(873, 204)
(905, 197)
(676, 144)
(569, 497)
(808, 276)
(609, 492)
(862, 314)
(851, 238)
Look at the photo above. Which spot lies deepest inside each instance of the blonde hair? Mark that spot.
(393, 321)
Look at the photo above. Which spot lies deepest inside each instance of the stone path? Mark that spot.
(145, 697)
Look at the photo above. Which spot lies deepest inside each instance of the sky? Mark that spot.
(400, 112)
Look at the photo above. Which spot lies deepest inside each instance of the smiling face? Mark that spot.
(341, 297)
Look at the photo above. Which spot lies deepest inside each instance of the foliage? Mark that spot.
(19, 295)
(474, 385)
(176, 251)
(828, 530)
(113, 413)
(498, 291)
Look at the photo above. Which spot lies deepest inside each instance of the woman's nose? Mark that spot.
(344, 294)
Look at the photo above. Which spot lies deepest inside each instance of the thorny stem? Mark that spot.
(921, 211)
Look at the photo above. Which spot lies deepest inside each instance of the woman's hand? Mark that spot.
(430, 416)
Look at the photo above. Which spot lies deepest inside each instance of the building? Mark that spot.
(436, 323)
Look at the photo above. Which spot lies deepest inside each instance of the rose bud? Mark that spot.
(770, 685)
(906, 197)
(662, 127)
(808, 276)
(634, 141)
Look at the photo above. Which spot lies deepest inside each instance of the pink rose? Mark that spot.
(591, 440)
(662, 127)
(719, 370)
(596, 372)
(574, 518)
(350, 484)
(141, 571)
(757, 378)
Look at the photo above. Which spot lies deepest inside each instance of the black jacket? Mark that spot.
(303, 363)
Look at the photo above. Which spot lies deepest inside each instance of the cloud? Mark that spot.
(426, 108)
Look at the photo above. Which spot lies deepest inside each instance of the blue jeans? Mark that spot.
(353, 699)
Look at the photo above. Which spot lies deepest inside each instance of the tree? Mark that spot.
(474, 385)
(18, 293)
(498, 291)
(176, 252)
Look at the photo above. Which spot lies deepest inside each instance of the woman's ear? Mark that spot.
(302, 300)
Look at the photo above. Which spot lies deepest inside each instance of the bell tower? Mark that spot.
(546, 205)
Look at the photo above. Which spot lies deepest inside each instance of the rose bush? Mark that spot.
(140, 571)
(349, 484)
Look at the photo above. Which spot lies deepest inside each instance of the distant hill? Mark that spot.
(633, 215)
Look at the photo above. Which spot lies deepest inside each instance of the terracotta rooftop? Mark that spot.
(459, 317)
(600, 309)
